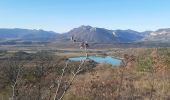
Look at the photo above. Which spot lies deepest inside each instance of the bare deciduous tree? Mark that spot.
(84, 46)
(13, 73)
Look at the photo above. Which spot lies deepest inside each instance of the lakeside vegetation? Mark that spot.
(144, 75)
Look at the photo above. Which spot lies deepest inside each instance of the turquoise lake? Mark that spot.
(99, 59)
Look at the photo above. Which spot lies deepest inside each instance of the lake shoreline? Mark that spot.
(98, 59)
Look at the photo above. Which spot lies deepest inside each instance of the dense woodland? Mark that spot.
(143, 75)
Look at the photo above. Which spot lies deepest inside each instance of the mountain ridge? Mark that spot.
(86, 33)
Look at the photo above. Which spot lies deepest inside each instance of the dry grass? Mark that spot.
(145, 77)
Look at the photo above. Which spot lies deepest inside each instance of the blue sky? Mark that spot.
(63, 15)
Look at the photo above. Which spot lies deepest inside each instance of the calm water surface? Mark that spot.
(98, 59)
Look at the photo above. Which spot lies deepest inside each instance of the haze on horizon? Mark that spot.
(63, 15)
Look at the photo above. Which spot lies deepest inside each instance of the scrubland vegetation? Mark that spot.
(143, 75)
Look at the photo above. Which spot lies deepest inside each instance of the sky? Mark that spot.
(63, 15)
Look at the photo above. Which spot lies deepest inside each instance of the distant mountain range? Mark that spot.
(26, 35)
(86, 33)
(161, 35)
